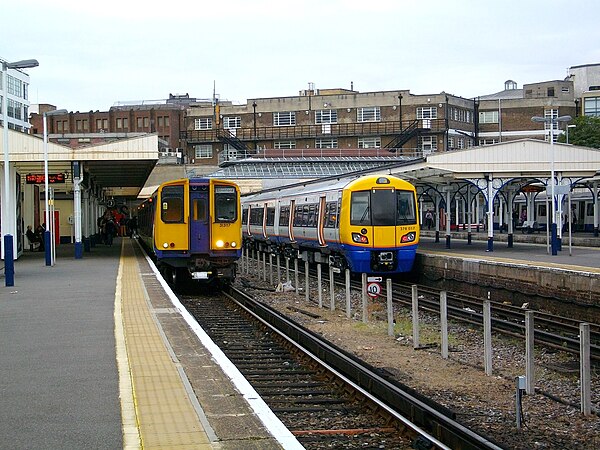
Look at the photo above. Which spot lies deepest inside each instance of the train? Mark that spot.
(367, 224)
(193, 229)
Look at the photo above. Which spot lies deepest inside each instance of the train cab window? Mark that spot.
(406, 208)
(359, 208)
(225, 204)
(199, 209)
(171, 204)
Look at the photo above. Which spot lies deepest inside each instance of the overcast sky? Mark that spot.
(93, 54)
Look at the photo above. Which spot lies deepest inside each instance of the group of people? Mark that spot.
(113, 223)
(36, 237)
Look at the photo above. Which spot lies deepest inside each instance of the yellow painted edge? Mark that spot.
(129, 419)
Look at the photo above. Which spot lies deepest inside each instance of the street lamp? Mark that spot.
(552, 121)
(7, 225)
(569, 126)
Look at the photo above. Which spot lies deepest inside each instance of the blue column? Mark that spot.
(47, 246)
(9, 262)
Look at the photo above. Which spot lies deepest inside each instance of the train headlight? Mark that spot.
(165, 245)
(220, 243)
(359, 238)
(233, 244)
(409, 237)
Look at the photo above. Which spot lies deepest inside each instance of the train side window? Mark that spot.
(298, 216)
(171, 209)
(330, 214)
(359, 208)
(305, 215)
(225, 204)
(312, 215)
(270, 216)
(199, 209)
(245, 215)
(284, 216)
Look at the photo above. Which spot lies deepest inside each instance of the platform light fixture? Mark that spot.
(7, 231)
(552, 121)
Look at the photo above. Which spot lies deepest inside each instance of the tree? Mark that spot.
(586, 132)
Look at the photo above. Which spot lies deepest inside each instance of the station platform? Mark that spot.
(583, 256)
(96, 354)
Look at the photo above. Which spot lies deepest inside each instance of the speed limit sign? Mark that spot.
(373, 289)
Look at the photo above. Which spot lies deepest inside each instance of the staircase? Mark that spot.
(405, 135)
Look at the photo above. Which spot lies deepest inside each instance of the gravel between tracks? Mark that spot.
(486, 404)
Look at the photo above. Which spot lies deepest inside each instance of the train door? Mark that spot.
(199, 220)
(383, 205)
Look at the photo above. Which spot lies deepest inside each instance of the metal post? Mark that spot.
(348, 304)
(278, 269)
(319, 285)
(487, 336)
(306, 282)
(270, 268)
(77, 179)
(415, 316)
(331, 289)
(529, 354)
(585, 368)
(365, 319)
(444, 322)
(287, 269)
(296, 275)
(264, 266)
(390, 306)
(7, 210)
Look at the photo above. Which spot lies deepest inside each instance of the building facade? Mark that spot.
(17, 99)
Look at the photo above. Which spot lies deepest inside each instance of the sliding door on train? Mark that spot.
(199, 221)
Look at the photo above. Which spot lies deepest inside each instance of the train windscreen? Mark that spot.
(225, 204)
(383, 207)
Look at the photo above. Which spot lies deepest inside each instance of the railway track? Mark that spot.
(551, 330)
(326, 397)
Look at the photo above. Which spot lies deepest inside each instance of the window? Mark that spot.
(146, 122)
(406, 211)
(359, 208)
(101, 124)
(225, 204)
(488, 116)
(369, 142)
(326, 116)
(171, 204)
(427, 144)
(591, 106)
(487, 141)
(427, 112)
(199, 209)
(326, 143)
(283, 119)
(550, 92)
(284, 216)
(331, 214)
(203, 123)
(371, 114)
(282, 145)
(119, 123)
(232, 122)
(270, 216)
(203, 151)
(81, 125)
(139, 123)
(551, 114)
(160, 121)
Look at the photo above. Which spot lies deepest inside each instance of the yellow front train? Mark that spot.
(193, 227)
(368, 224)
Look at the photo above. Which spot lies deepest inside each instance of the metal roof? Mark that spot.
(121, 167)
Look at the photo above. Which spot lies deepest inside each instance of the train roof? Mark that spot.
(312, 187)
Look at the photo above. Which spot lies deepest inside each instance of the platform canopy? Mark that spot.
(120, 168)
(522, 159)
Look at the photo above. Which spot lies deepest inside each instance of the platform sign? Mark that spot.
(373, 289)
(374, 279)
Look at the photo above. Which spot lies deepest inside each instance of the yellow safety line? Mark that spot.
(130, 425)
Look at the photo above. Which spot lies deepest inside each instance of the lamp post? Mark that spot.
(569, 126)
(7, 225)
(254, 117)
(552, 121)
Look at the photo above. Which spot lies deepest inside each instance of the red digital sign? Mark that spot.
(39, 178)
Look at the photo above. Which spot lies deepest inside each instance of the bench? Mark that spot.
(531, 226)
